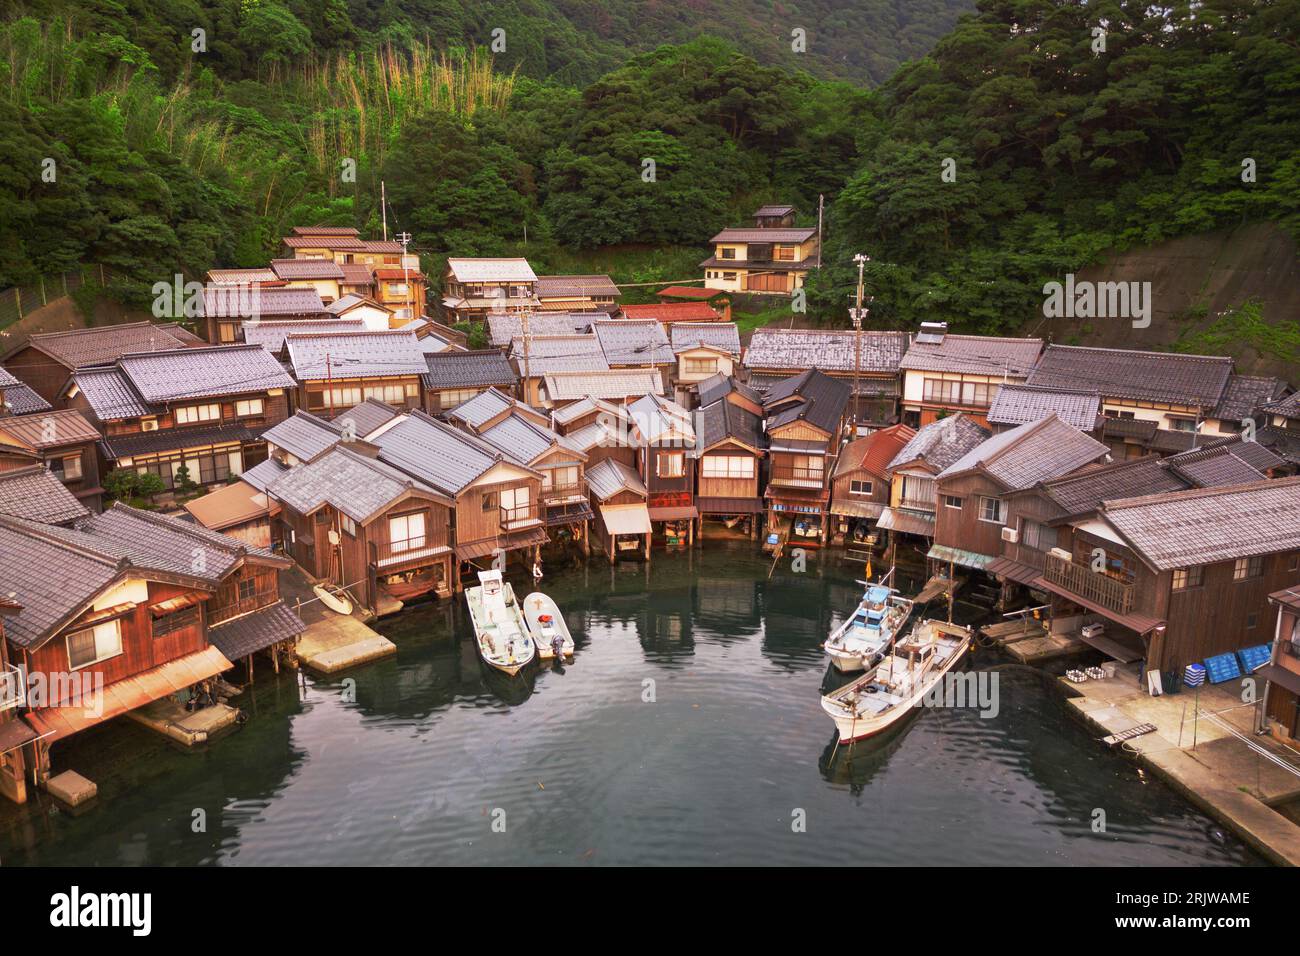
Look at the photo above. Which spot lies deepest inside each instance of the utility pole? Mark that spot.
(405, 239)
(857, 314)
(329, 383)
(821, 202)
(528, 336)
(383, 207)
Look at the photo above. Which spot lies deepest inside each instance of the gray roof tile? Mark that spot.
(1018, 404)
(37, 495)
(203, 372)
(941, 442)
(1127, 373)
(344, 355)
(978, 355)
(1027, 454)
(358, 486)
(475, 369)
(827, 349)
(634, 342)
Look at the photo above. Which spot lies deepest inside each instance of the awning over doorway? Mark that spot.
(626, 519)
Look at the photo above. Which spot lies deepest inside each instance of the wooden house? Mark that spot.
(364, 525)
(773, 257)
(1281, 710)
(553, 354)
(227, 308)
(730, 449)
(805, 426)
(324, 276)
(142, 605)
(612, 385)
(64, 442)
(913, 488)
(730, 389)
(703, 350)
(338, 370)
(599, 429)
(972, 522)
(589, 293)
(618, 497)
(871, 357)
(197, 413)
(454, 377)
(1281, 433)
(667, 464)
(1016, 405)
(47, 359)
(18, 398)
(860, 483)
(637, 344)
(505, 329)
(943, 373)
(402, 290)
(471, 288)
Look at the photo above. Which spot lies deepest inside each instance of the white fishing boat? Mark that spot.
(499, 627)
(890, 691)
(861, 640)
(546, 625)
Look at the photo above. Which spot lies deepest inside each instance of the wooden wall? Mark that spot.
(962, 527)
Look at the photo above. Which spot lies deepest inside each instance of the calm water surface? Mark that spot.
(416, 769)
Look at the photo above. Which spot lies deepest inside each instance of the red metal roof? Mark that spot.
(673, 312)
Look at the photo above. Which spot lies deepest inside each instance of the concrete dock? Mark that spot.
(188, 728)
(1206, 750)
(332, 642)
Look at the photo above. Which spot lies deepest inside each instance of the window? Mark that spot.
(348, 525)
(1252, 621)
(1036, 536)
(727, 254)
(250, 406)
(701, 366)
(1247, 568)
(993, 510)
(516, 505)
(560, 478)
(671, 464)
(392, 394)
(176, 621)
(727, 466)
(453, 397)
(67, 469)
(94, 644)
(1293, 564)
(858, 487)
(1182, 424)
(729, 276)
(1185, 578)
(227, 332)
(948, 392)
(953, 501)
(406, 532)
(189, 414)
(784, 253)
(247, 588)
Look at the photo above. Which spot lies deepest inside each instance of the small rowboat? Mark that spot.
(546, 624)
(334, 598)
(499, 628)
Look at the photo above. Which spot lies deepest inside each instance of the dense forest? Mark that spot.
(127, 140)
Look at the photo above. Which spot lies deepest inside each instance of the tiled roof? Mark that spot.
(1018, 404)
(367, 416)
(1282, 441)
(608, 477)
(102, 345)
(567, 286)
(503, 327)
(720, 421)
(1127, 373)
(719, 386)
(66, 426)
(978, 355)
(1083, 493)
(718, 335)
(616, 384)
(325, 231)
(264, 474)
(381, 245)
(271, 335)
(690, 292)
(352, 300)
(673, 312)
(521, 439)
(874, 452)
(356, 273)
(304, 435)
(1288, 407)
(634, 342)
(171, 439)
(37, 495)
(358, 486)
(774, 209)
(238, 302)
(161, 542)
(306, 269)
(1027, 454)
(241, 276)
(941, 442)
(203, 372)
(491, 270)
(822, 400)
(558, 353)
(441, 455)
(799, 234)
(487, 405)
(256, 631)
(1245, 393)
(343, 355)
(324, 241)
(20, 399)
(826, 349)
(110, 394)
(661, 421)
(585, 406)
(468, 369)
(1201, 526)
(1224, 468)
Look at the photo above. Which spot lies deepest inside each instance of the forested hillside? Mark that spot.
(120, 145)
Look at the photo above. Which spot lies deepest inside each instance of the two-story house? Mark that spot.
(504, 328)
(703, 349)
(337, 370)
(64, 442)
(191, 416)
(324, 276)
(637, 344)
(227, 308)
(869, 357)
(471, 288)
(943, 373)
(1281, 707)
(1016, 405)
(913, 487)
(805, 426)
(772, 257)
(586, 293)
(454, 377)
(666, 443)
(860, 483)
(731, 446)
(540, 355)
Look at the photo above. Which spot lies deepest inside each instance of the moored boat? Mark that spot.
(861, 640)
(499, 627)
(888, 692)
(546, 625)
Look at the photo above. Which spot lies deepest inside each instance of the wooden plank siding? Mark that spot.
(963, 527)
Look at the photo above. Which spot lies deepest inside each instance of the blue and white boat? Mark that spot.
(861, 640)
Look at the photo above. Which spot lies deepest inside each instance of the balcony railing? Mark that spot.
(424, 547)
(13, 693)
(560, 492)
(519, 517)
(1093, 585)
(796, 477)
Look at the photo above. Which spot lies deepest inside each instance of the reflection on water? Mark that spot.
(686, 730)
